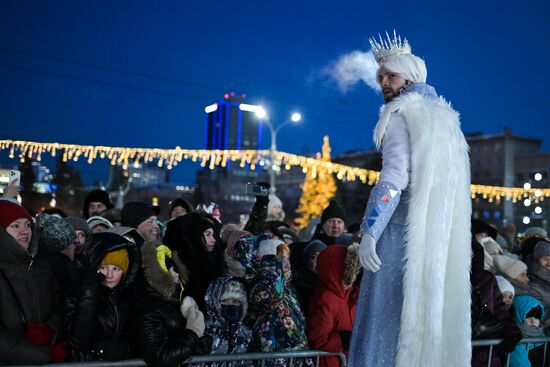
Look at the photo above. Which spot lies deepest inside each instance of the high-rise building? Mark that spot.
(232, 124)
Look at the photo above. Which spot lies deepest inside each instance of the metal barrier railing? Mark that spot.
(230, 360)
(490, 343)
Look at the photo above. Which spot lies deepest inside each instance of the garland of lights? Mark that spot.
(252, 158)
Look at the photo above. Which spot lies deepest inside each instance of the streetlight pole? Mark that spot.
(273, 131)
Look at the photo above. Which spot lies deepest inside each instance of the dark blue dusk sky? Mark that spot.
(489, 58)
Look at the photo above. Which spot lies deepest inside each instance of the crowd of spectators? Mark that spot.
(114, 284)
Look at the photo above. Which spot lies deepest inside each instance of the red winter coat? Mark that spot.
(332, 308)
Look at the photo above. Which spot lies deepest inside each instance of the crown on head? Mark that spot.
(385, 49)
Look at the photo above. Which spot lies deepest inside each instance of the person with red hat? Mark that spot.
(30, 325)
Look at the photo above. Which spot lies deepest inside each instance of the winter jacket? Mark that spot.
(98, 317)
(227, 338)
(28, 293)
(485, 291)
(67, 272)
(159, 327)
(521, 356)
(274, 311)
(332, 308)
(185, 235)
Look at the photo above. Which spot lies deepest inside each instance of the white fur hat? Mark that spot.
(512, 268)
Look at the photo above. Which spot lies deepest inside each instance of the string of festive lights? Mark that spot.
(252, 158)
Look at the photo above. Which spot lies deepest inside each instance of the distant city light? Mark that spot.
(526, 220)
(538, 210)
(538, 193)
(296, 117)
(155, 201)
(527, 202)
(527, 186)
(538, 176)
(259, 110)
(211, 108)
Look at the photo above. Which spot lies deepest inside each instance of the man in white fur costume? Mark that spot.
(414, 305)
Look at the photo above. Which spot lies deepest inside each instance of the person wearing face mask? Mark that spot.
(195, 237)
(275, 314)
(30, 299)
(227, 306)
(98, 311)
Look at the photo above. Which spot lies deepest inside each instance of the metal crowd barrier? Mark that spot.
(229, 360)
(494, 342)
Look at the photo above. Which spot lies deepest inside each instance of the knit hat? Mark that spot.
(333, 210)
(210, 208)
(96, 196)
(311, 248)
(534, 231)
(55, 212)
(97, 220)
(504, 285)
(134, 213)
(542, 249)
(230, 234)
(10, 212)
(54, 234)
(78, 224)
(491, 246)
(234, 289)
(119, 258)
(512, 268)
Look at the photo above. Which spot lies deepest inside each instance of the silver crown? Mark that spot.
(388, 48)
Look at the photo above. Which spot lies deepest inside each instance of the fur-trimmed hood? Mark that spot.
(99, 244)
(158, 280)
(338, 267)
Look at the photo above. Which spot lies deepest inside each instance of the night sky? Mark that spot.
(139, 73)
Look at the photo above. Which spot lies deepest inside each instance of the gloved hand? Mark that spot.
(59, 351)
(38, 333)
(367, 253)
(194, 317)
(508, 345)
(268, 247)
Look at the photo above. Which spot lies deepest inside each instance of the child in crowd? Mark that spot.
(227, 305)
(528, 312)
(507, 290)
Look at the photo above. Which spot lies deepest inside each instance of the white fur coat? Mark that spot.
(435, 322)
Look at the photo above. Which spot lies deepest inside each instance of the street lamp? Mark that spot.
(294, 118)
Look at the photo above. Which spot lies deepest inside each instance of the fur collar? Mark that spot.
(158, 279)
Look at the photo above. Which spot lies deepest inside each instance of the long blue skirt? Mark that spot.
(378, 317)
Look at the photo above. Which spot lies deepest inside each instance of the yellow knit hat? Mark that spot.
(118, 258)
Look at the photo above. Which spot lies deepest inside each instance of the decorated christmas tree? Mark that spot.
(318, 188)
